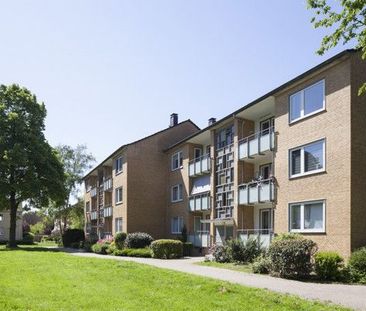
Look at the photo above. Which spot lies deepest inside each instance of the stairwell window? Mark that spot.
(1, 217)
(307, 216)
(307, 159)
(307, 102)
(118, 224)
(177, 193)
(177, 225)
(177, 161)
(118, 195)
(119, 165)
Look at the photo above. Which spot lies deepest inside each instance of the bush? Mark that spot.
(120, 239)
(138, 240)
(220, 253)
(111, 248)
(187, 248)
(101, 247)
(292, 258)
(71, 236)
(167, 249)
(328, 265)
(133, 252)
(262, 265)
(88, 246)
(357, 265)
(243, 252)
(288, 236)
(28, 238)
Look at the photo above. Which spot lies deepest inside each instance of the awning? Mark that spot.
(201, 185)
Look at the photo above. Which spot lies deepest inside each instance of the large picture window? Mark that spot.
(307, 159)
(307, 216)
(307, 101)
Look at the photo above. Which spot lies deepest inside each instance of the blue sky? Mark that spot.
(111, 72)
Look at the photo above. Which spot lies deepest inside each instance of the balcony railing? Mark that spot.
(108, 184)
(93, 191)
(264, 236)
(200, 202)
(257, 143)
(257, 192)
(108, 211)
(199, 166)
(200, 239)
(94, 215)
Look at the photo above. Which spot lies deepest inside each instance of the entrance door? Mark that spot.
(265, 221)
(265, 171)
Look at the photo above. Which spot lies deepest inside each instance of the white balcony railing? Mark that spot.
(93, 191)
(199, 166)
(257, 192)
(107, 184)
(200, 202)
(108, 211)
(94, 215)
(257, 143)
(264, 236)
(200, 239)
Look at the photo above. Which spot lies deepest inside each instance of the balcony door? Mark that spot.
(266, 125)
(265, 170)
(265, 220)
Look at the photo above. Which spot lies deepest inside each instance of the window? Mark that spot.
(307, 216)
(87, 185)
(177, 160)
(87, 206)
(119, 165)
(177, 193)
(118, 195)
(307, 101)
(266, 126)
(197, 153)
(308, 159)
(118, 224)
(225, 137)
(265, 171)
(177, 225)
(1, 217)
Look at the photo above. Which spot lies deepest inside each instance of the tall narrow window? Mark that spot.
(307, 101)
(119, 165)
(177, 161)
(118, 224)
(118, 195)
(177, 225)
(177, 193)
(307, 216)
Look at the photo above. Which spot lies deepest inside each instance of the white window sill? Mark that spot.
(307, 231)
(119, 203)
(118, 173)
(306, 116)
(176, 232)
(177, 201)
(176, 169)
(307, 173)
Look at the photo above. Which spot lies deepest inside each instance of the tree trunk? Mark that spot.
(13, 220)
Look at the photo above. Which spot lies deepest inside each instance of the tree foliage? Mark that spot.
(30, 169)
(348, 24)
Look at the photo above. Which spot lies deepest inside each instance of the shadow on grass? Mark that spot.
(30, 248)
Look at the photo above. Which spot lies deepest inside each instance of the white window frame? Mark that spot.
(180, 224)
(302, 108)
(119, 164)
(302, 217)
(116, 196)
(115, 224)
(302, 160)
(1, 217)
(179, 154)
(180, 193)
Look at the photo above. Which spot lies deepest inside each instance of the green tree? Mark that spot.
(30, 169)
(75, 162)
(347, 24)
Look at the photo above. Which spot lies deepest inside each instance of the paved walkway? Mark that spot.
(352, 296)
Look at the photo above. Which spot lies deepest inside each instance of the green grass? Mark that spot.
(34, 278)
(231, 266)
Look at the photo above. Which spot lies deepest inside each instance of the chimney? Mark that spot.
(211, 121)
(173, 119)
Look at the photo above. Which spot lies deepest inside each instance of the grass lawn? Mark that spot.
(34, 278)
(228, 265)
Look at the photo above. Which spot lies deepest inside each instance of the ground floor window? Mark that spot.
(307, 216)
(118, 224)
(177, 225)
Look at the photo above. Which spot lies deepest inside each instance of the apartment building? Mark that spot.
(291, 161)
(5, 226)
(126, 192)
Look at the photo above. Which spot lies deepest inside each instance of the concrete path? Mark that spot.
(352, 296)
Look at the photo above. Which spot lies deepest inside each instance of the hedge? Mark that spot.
(167, 249)
(72, 236)
(138, 240)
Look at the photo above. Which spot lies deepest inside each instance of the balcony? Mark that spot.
(256, 144)
(108, 184)
(200, 202)
(200, 239)
(263, 236)
(257, 192)
(93, 192)
(200, 166)
(94, 215)
(107, 211)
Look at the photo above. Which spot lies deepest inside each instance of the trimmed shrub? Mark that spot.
(138, 240)
(292, 258)
(357, 265)
(101, 247)
(288, 236)
(328, 265)
(28, 238)
(88, 246)
(221, 253)
(243, 252)
(133, 252)
(120, 239)
(187, 248)
(262, 265)
(111, 248)
(71, 236)
(167, 249)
